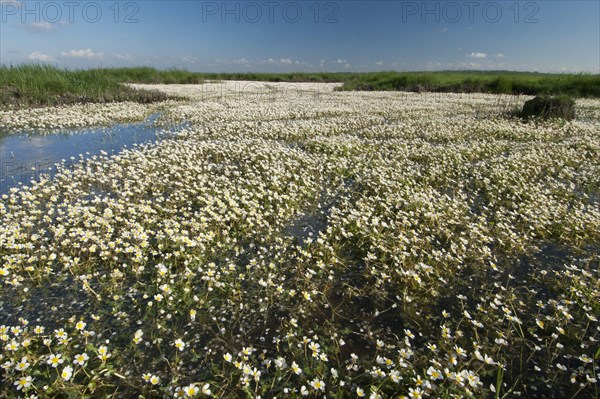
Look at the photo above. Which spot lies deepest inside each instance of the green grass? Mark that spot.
(152, 75)
(41, 85)
(320, 77)
(497, 82)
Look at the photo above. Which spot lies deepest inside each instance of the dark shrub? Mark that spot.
(364, 87)
(549, 107)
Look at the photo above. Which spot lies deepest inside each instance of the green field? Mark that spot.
(39, 85)
(496, 82)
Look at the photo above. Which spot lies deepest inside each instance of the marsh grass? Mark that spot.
(494, 82)
(152, 75)
(40, 85)
(44, 85)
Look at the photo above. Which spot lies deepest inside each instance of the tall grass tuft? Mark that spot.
(497, 82)
(43, 85)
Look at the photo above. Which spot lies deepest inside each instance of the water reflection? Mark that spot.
(28, 154)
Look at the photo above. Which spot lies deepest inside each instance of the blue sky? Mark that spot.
(304, 35)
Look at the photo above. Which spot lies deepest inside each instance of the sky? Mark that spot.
(304, 35)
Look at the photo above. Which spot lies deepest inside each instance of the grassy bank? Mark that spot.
(41, 85)
(319, 77)
(495, 82)
(500, 82)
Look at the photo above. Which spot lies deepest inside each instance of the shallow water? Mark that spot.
(26, 155)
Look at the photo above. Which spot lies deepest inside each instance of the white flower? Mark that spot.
(103, 353)
(191, 390)
(296, 369)
(179, 344)
(22, 365)
(55, 360)
(318, 385)
(415, 393)
(67, 373)
(280, 363)
(81, 359)
(334, 373)
(23, 383)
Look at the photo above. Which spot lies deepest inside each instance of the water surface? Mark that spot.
(25, 155)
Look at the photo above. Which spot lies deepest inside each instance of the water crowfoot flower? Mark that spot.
(154, 380)
(318, 385)
(66, 373)
(296, 369)
(191, 390)
(81, 359)
(103, 354)
(22, 365)
(23, 383)
(179, 344)
(55, 360)
(266, 241)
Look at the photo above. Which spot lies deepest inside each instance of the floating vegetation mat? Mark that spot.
(293, 241)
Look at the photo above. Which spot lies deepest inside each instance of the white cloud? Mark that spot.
(241, 61)
(379, 63)
(189, 59)
(272, 61)
(483, 65)
(340, 61)
(477, 55)
(37, 56)
(430, 65)
(39, 27)
(43, 27)
(123, 57)
(84, 53)
(499, 55)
